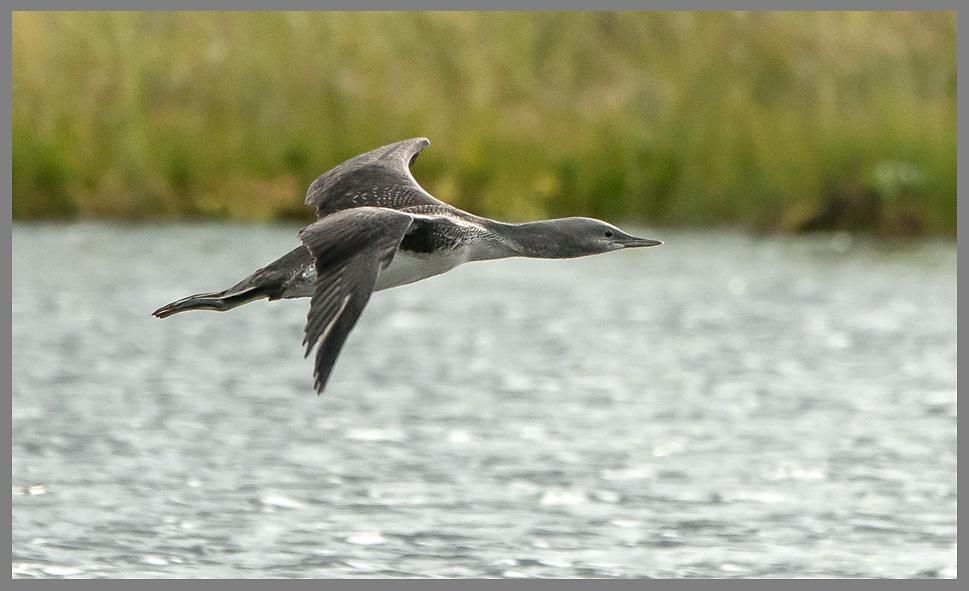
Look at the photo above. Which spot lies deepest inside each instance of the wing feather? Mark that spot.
(350, 248)
(378, 178)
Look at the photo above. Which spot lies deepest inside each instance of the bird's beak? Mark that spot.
(637, 242)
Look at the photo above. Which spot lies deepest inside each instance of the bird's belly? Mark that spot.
(409, 267)
(405, 268)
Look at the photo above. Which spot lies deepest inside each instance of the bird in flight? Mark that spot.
(376, 228)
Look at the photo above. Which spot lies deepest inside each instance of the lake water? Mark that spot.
(720, 406)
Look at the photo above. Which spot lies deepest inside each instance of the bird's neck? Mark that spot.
(538, 240)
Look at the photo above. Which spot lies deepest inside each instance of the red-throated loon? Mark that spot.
(376, 228)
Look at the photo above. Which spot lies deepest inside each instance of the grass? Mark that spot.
(766, 121)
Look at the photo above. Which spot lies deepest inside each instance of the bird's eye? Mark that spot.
(608, 233)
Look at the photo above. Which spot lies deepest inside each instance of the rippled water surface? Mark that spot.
(719, 406)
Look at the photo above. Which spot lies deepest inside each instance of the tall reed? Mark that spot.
(768, 121)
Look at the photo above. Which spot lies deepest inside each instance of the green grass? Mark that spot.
(767, 121)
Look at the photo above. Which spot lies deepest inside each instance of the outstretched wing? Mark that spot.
(350, 248)
(379, 178)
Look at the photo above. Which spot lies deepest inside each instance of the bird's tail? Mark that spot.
(219, 301)
(268, 282)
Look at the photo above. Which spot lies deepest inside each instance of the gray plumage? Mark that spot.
(349, 248)
(377, 228)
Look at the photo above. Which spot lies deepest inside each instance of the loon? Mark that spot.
(376, 228)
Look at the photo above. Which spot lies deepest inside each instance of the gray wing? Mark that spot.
(379, 178)
(350, 248)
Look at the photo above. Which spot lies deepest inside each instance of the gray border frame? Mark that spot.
(424, 584)
(6, 314)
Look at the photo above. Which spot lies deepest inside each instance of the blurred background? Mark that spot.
(771, 393)
(766, 121)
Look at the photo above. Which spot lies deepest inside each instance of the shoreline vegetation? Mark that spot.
(769, 122)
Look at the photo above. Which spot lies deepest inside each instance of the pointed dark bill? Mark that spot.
(638, 242)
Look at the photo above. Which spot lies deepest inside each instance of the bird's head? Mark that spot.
(577, 237)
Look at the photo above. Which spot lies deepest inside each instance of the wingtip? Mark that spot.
(423, 141)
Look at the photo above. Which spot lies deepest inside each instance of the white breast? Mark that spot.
(407, 268)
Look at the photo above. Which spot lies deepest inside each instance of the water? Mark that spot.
(719, 406)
